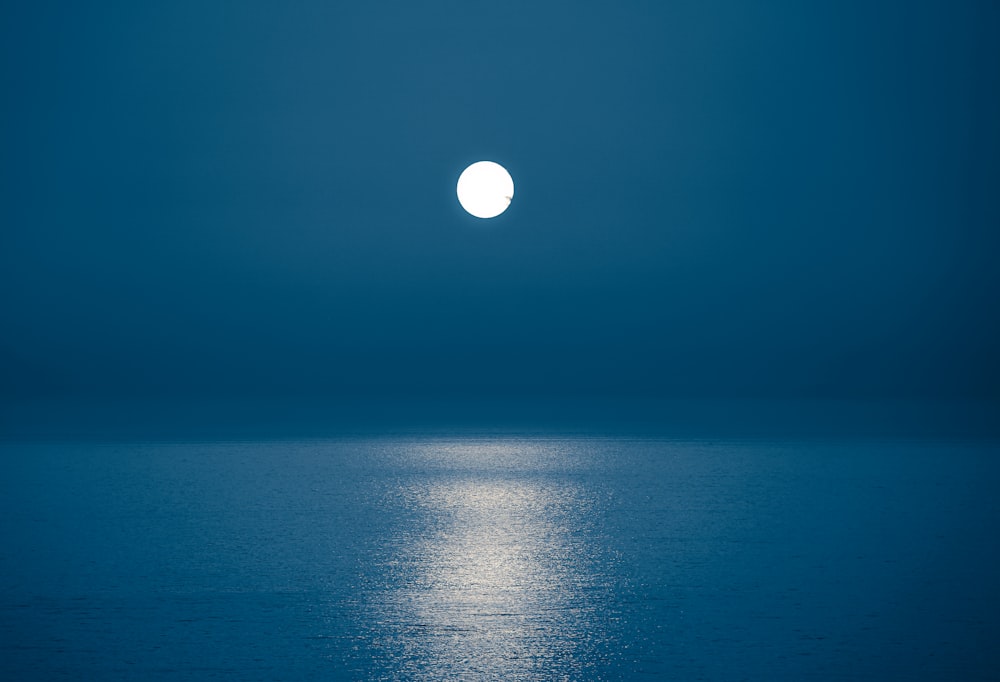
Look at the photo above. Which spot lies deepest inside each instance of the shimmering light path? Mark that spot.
(504, 579)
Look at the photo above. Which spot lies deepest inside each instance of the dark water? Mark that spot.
(499, 558)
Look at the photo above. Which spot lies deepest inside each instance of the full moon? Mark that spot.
(485, 189)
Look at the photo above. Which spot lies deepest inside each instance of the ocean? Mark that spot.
(428, 556)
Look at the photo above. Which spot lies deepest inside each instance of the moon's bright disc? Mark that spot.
(485, 189)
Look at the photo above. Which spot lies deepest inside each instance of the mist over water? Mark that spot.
(498, 557)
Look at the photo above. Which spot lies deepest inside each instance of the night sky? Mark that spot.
(730, 199)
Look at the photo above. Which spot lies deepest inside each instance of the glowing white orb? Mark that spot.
(485, 189)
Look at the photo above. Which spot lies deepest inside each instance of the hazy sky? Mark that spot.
(712, 198)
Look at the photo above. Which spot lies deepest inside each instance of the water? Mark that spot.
(514, 558)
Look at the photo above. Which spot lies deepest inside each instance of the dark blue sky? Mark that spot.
(712, 198)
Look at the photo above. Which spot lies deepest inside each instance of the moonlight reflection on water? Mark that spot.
(502, 583)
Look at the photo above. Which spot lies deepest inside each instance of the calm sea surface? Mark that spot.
(435, 558)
